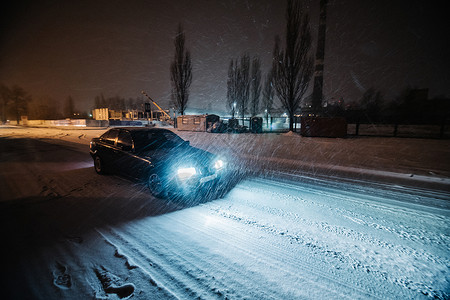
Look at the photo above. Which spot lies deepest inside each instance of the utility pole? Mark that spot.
(317, 96)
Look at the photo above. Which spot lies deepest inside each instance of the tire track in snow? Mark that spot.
(407, 233)
(197, 264)
(166, 268)
(281, 260)
(240, 275)
(141, 262)
(384, 215)
(423, 261)
(160, 247)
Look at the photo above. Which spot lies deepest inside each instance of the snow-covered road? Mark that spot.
(69, 233)
(276, 240)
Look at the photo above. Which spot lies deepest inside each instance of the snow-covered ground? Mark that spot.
(417, 162)
(295, 230)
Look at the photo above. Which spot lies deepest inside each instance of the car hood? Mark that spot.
(180, 156)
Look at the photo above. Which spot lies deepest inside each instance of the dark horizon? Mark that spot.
(117, 48)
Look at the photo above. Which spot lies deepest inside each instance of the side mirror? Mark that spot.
(187, 143)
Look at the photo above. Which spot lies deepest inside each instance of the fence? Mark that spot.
(397, 130)
(442, 131)
(273, 124)
(281, 124)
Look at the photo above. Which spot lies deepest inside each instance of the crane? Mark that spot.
(156, 104)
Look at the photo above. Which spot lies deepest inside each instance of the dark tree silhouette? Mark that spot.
(267, 95)
(232, 89)
(293, 66)
(238, 89)
(5, 97)
(181, 72)
(372, 103)
(44, 108)
(243, 85)
(255, 86)
(19, 99)
(69, 109)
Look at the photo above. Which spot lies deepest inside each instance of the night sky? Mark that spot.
(118, 47)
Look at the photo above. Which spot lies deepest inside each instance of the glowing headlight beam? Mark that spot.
(218, 164)
(185, 173)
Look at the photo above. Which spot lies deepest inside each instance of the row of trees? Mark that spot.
(288, 77)
(14, 102)
(119, 103)
(17, 102)
(244, 85)
(247, 93)
(411, 106)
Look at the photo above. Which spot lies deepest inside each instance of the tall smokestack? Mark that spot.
(320, 55)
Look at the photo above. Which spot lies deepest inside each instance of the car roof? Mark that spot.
(134, 129)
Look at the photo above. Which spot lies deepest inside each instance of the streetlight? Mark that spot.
(267, 118)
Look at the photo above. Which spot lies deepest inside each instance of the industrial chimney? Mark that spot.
(317, 95)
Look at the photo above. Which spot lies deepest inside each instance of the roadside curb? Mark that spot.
(279, 165)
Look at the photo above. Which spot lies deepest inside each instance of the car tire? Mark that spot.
(156, 185)
(99, 166)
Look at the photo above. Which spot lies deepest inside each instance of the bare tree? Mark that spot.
(5, 96)
(232, 88)
(293, 66)
(255, 86)
(44, 108)
(181, 72)
(238, 86)
(19, 100)
(69, 109)
(243, 85)
(371, 103)
(268, 95)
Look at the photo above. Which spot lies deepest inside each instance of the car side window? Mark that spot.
(110, 136)
(154, 141)
(125, 141)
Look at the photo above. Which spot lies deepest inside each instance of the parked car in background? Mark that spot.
(159, 157)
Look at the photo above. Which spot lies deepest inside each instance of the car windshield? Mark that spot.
(151, 140)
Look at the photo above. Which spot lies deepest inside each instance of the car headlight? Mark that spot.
(185, 173)
(219, 164)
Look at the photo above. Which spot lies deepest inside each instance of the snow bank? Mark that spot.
(422, 162)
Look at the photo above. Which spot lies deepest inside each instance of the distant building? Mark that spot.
(100, 114)
(128, 115)
(196, 122)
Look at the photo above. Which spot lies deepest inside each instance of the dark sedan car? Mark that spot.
(166, 162)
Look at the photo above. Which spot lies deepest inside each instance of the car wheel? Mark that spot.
(155, 185)
(98, 165)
